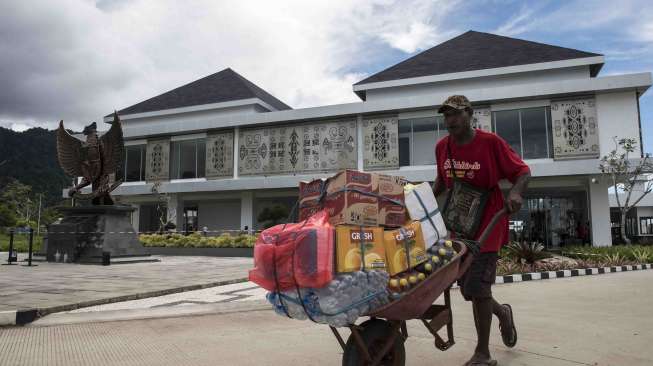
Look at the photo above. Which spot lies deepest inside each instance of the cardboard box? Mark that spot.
(392, 212)
(351, 241)
(399, 242)
(422, 206)
(347, 202)
(309, 198)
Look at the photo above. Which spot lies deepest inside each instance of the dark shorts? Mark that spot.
(477, 281)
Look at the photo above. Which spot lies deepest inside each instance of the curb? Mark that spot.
(534, 276)
(26, 316)
(18, 317)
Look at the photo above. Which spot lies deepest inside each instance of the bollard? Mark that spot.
(106, 258)
(12, 257)
(30, 250)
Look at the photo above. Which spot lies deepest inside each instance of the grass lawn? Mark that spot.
(21, 242)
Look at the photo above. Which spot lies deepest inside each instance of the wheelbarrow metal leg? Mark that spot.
(437, 317)
(447, 303)
(338, 337)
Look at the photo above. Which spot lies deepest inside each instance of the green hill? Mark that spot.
(31, 158)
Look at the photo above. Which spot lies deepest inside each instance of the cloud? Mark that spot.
(78, 60)
(517, 24)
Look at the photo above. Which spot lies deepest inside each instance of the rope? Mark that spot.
(426, 212)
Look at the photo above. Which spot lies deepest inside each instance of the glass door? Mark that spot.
(190, 219)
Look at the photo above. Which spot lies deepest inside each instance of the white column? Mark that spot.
(136, 216)
(359, 141)
(247, 210)
(600, 211)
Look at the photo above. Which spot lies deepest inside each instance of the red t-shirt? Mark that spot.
(483, 162)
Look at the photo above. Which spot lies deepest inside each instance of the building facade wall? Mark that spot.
(618, 116)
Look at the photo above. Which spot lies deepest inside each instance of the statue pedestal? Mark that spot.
(95, 234)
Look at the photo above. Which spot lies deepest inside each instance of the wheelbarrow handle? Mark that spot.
(493, 222)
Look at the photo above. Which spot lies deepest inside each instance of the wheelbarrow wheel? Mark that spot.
(375, 334)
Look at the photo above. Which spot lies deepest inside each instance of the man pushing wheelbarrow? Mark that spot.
(470, 164)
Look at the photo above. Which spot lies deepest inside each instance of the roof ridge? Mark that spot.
(222, 86)
(474, 50)
(529, 41)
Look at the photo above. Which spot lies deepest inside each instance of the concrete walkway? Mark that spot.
(52, 287)
(597, 320)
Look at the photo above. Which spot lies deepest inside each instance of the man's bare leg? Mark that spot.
(500, 311)
(483, 310)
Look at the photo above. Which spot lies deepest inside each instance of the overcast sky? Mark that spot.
(78, 60)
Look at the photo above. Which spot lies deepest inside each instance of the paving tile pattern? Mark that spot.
(52, 287)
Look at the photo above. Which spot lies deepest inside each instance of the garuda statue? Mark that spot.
(96, 160)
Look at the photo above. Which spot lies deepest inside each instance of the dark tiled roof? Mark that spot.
(224, 86)
(476, 51)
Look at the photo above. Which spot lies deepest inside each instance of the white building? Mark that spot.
(223, 149)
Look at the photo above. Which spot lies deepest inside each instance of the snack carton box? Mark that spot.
(390, 213)
(347, 202)
(352, 241)
(398, 242)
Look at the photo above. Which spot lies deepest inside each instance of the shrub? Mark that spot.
(526, 252)
(197, 240)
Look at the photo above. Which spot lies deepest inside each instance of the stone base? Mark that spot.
(94, 234)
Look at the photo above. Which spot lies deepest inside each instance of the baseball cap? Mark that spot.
(459, 102)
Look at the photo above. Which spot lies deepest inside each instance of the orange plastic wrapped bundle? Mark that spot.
(288, 256)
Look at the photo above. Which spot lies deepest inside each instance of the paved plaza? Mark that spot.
(596, 320)
(52, 287)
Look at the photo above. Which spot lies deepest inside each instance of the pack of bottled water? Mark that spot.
(345, 299)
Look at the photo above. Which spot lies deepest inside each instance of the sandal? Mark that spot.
(509, 334)
(481, 363)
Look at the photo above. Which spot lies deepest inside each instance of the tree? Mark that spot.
(162, 205)
(628, 175)
(18, 198)
(7, 216)
(274, 215)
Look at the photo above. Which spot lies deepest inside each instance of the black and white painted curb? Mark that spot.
(18, 317)
(550, 275)
(569, 273)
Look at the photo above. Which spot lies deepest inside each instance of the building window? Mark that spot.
(526, 130)
(646, 225)
(134, 169)
(417, 139)
(187, 159)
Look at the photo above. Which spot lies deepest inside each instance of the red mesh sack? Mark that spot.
(291, 255)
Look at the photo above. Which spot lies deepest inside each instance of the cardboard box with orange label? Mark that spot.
(392, 208)
(397, 242)
(352, 242)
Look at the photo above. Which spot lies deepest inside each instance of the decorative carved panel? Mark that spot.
(220, 154)
(157, 161)
(575, 129)
(320, 146)
(482, 119)
(380, 143)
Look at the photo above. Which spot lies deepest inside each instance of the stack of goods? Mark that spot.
(360, 220)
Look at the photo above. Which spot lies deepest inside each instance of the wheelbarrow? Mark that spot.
(380, 340)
